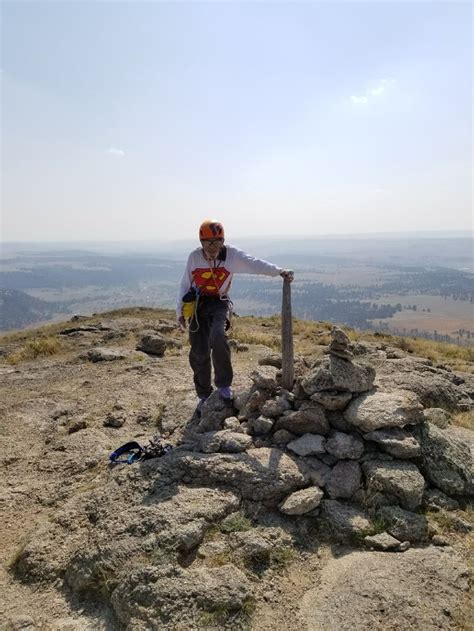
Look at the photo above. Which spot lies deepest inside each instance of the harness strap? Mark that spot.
(221, 297)
(132, 448)
(136, 452)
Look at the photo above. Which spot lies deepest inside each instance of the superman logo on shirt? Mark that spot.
(209, 283)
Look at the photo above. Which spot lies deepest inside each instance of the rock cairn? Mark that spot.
(340, 344)
(336, 448)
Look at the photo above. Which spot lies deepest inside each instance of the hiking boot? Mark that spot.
(225, 393)
(198, 410)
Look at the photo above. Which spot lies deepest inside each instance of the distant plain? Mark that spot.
(407, 285)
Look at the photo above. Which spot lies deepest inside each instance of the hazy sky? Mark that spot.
(139, 120)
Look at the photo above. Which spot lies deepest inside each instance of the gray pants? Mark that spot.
(208, 342)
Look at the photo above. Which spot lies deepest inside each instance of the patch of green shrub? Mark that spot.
(236, 522)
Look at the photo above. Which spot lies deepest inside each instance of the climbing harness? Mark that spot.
(133, 452)
(190, 301)
(222, 297)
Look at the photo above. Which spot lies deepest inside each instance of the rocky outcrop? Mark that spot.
(152, 344)
(344, 455)
(434, 387)
(152, 594)
(259, 474)
(352, 591)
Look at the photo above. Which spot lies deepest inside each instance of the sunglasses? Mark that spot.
(205, 242)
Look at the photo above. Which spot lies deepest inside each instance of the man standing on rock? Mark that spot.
(204, 301)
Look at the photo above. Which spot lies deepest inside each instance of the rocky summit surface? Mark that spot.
(344, 503)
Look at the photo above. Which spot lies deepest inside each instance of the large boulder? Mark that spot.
(265, 474)
(225, 441)
(152, 344)
(398, 479)
(419, 589)
(435, 388)
(174, 522)
(375, 410)
(446, 461)
(161, 597)
(334, 373)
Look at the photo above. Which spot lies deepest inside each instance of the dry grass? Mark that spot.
(254, 338)
(458, 357)
(220, 559)
(34, 348)
(30, 334)
(308, 337)
(282, 556)
(221, 617)
(137, 312)
(144, 313)
(464, 419)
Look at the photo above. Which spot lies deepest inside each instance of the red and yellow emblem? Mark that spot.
(209, 283)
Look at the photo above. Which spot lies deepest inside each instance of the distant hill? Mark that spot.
(18, 309)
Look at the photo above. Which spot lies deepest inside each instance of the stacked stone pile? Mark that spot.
(338, 448)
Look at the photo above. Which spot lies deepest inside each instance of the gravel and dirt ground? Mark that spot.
(60, 418)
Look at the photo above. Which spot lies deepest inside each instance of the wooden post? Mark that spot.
(287, 338)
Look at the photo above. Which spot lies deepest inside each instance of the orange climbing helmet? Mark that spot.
(211, 229)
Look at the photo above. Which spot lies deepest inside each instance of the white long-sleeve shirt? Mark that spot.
(215, 277)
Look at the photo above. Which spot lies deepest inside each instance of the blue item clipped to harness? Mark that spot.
(133, 449)
(137, 453)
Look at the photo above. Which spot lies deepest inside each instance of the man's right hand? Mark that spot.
(182, 323)
(287, 274)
